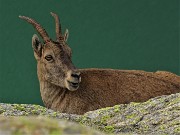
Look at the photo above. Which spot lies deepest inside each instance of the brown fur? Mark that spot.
(106, 87)
(94, 88)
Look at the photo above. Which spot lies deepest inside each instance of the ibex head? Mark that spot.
(54, 57)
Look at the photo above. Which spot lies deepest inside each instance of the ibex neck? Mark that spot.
(51, 94)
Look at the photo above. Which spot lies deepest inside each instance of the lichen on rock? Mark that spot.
(160, 115)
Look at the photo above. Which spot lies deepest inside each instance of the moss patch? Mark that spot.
(109, 129)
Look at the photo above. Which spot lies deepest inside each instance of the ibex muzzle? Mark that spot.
(72, 80)
(54, 57)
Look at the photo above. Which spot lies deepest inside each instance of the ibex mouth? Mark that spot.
(72, 86)
(75, 85)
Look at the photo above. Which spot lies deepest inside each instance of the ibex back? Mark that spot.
(69, 90)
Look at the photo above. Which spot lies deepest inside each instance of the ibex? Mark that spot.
(69, 90)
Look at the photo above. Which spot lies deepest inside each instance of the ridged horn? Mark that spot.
(42, 32)
(59, 36)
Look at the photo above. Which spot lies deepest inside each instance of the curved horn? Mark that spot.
(58, 27)
(38, 27)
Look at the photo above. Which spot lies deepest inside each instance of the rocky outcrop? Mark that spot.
(160, 115)
(42, 126)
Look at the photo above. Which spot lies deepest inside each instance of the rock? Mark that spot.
(160, 115)
(42, 126)
(33, 110)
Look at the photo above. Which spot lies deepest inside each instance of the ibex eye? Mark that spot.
(48, 57)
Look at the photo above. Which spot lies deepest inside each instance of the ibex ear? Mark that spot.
(66, 35)
(37, 46)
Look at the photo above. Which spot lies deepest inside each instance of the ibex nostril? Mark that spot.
(75, 75)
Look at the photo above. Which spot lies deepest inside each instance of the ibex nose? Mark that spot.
(76, 74)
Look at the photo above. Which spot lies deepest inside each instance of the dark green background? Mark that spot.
(120, 34)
